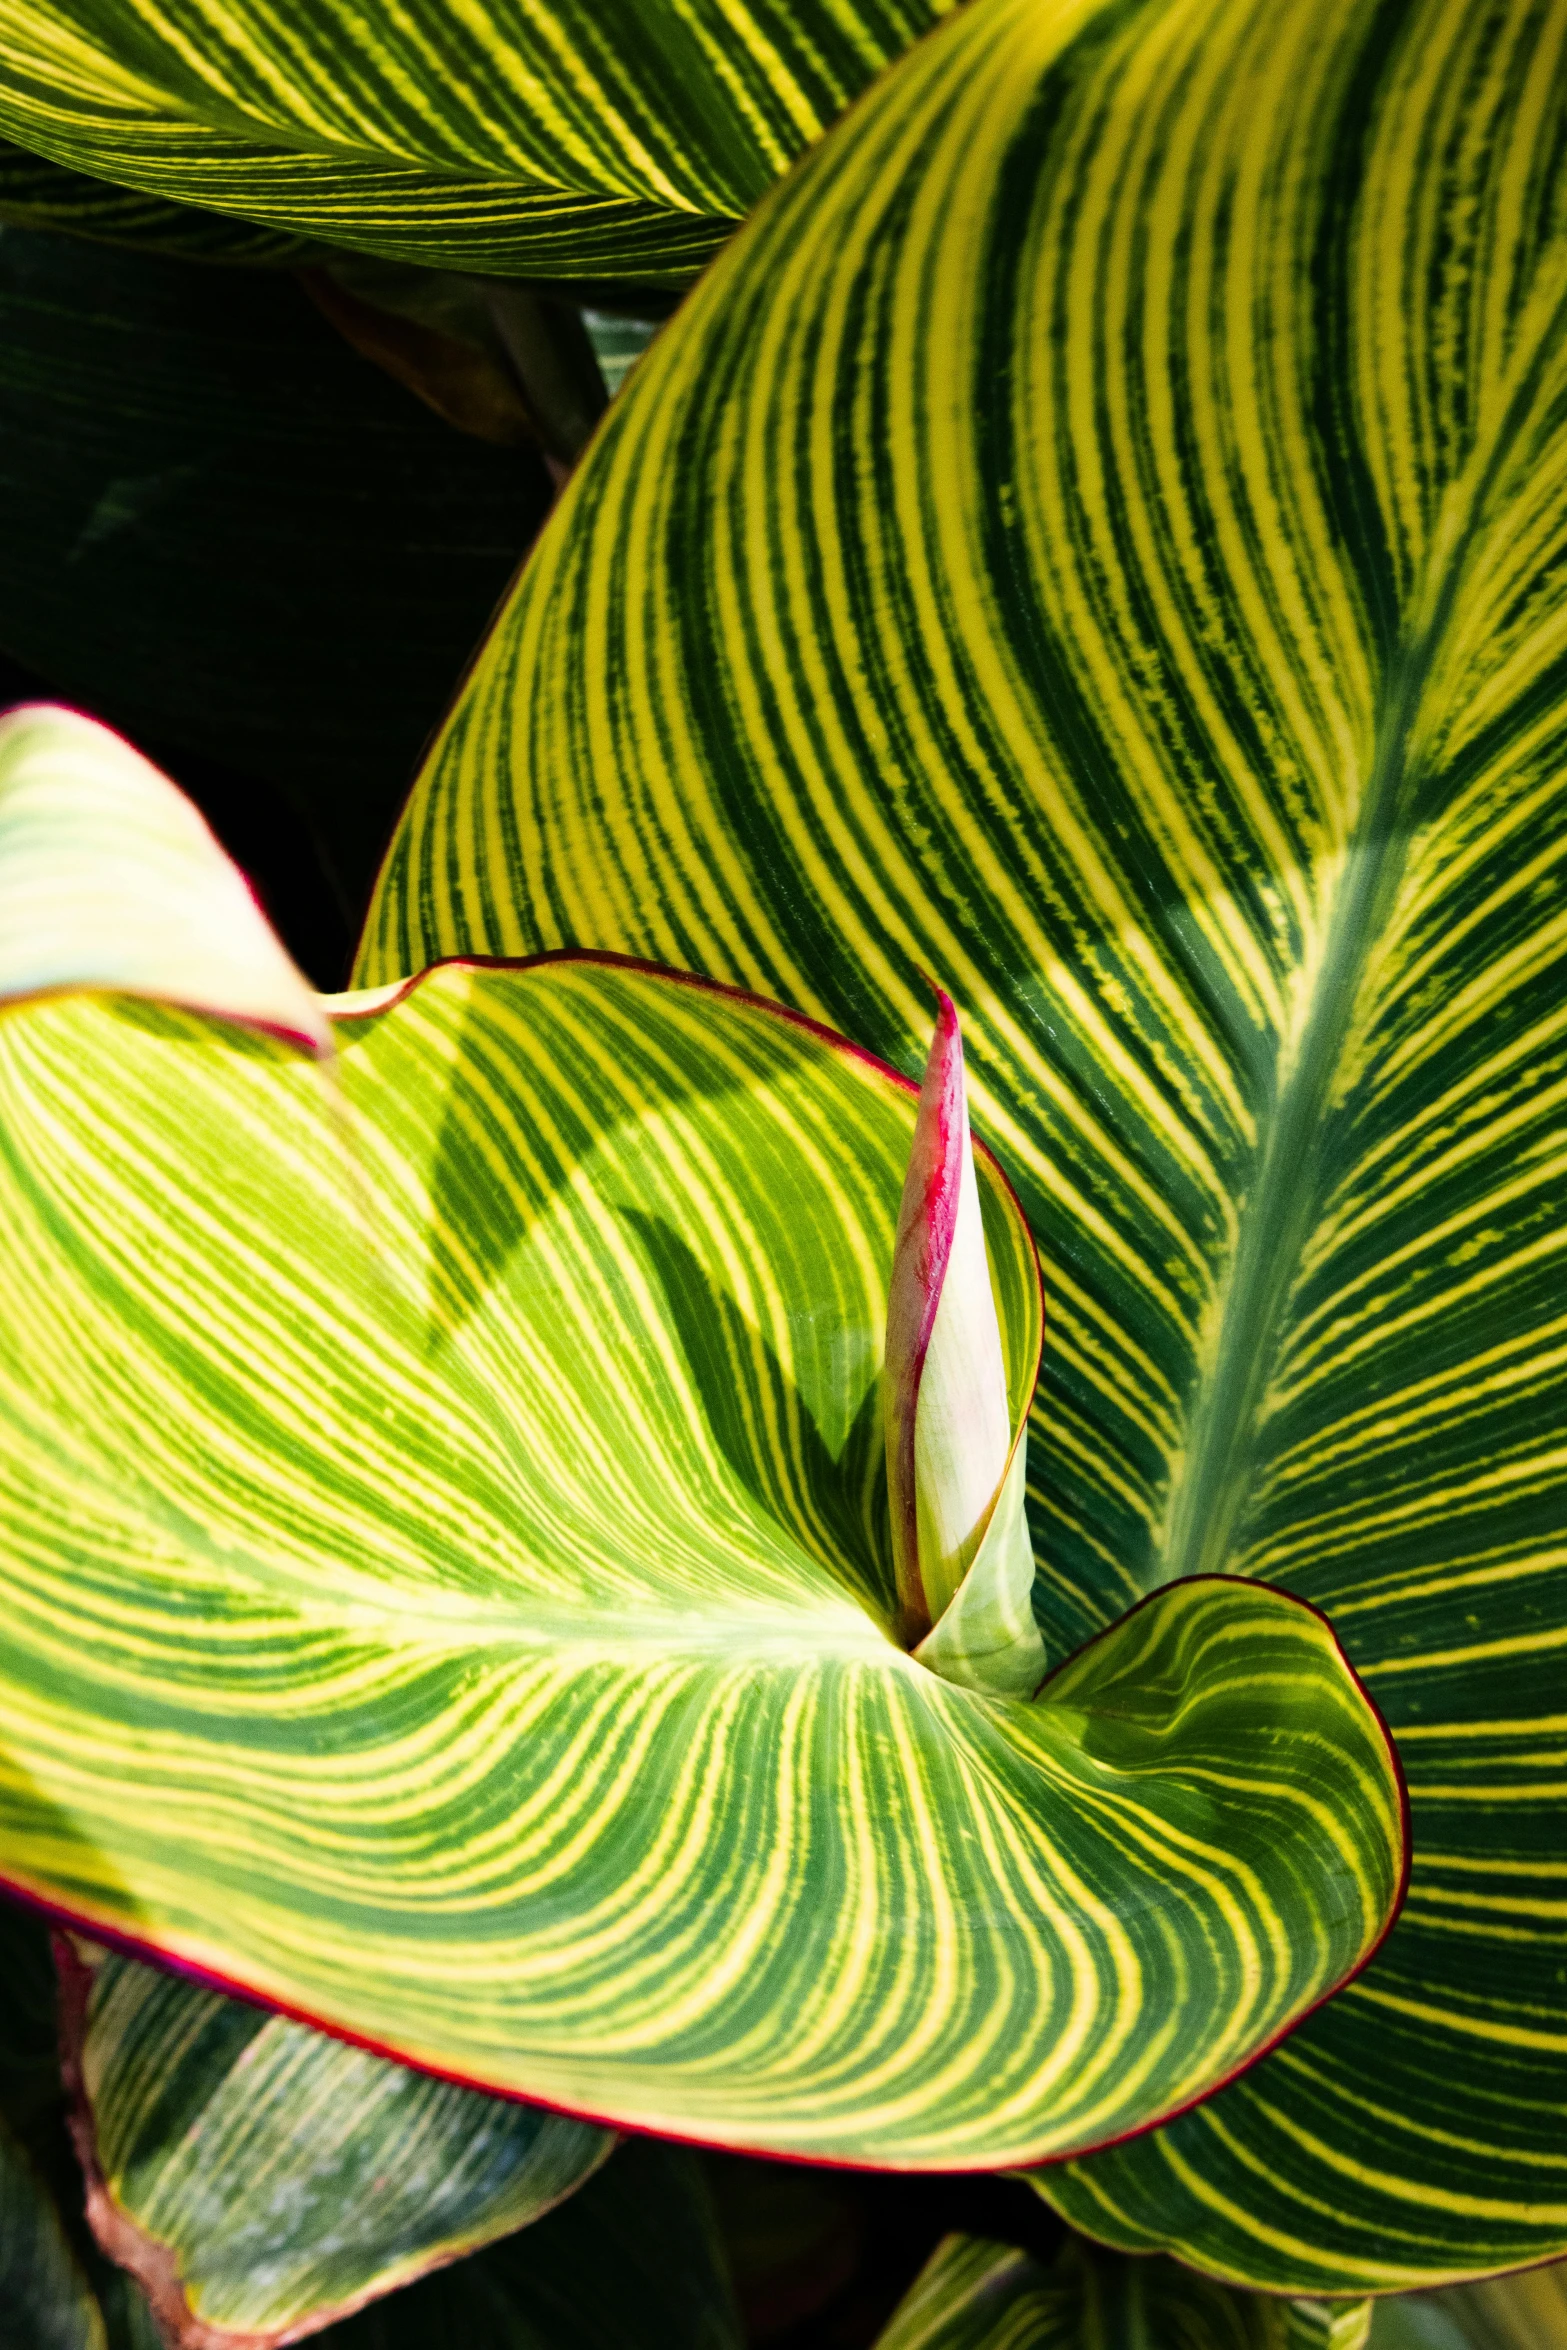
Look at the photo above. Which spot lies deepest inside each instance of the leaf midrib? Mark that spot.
(1215, 1481)
(1279, 1213)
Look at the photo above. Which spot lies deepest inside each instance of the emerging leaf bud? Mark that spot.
(955, 1475)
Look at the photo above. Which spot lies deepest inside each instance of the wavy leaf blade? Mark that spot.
(452, 1600)
(1165, 645)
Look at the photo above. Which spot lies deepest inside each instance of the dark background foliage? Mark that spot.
(236, 540)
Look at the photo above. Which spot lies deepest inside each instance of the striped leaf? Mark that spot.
(260, 2180)
(975, 2295)
(450, 1592)
(621, 138)
(633, 2260)
(37, 194)
(552, 1464)
(1099, 536)
(156, 419)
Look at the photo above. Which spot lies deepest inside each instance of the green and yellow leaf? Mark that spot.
(976, 2295)
(260, 2180)
(450, 1591)
(37, 194)
(632, 2260)
(617, 139)
(1098, 536)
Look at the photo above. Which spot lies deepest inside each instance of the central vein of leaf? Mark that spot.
(1217, 1479)
(1205, 1523)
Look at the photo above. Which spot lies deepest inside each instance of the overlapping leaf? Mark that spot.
(260, 2179)
(571, 139)
(449, 1587)
(1527, 2312)
(633, 2259)
(37, 194)
(976, 2295)
(1098, 537)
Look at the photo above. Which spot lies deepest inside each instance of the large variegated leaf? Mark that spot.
(589, 138)
(976, 2295)
(529, 1503)
(260, 2179)
(1099, 537)
(449, 1588)
(172, 440)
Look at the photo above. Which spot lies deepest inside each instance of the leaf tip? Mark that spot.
(112, 882)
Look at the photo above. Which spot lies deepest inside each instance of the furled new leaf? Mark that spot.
(259, 2179)
(450, 1593)
(616, 139)
(976, 2295)
(955, 1468)
(1098, 536)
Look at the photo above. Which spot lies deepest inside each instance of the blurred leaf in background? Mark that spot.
(228, 534)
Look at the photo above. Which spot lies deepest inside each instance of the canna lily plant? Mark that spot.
(1096, 534)
(465, 1398)
(563, 1571)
